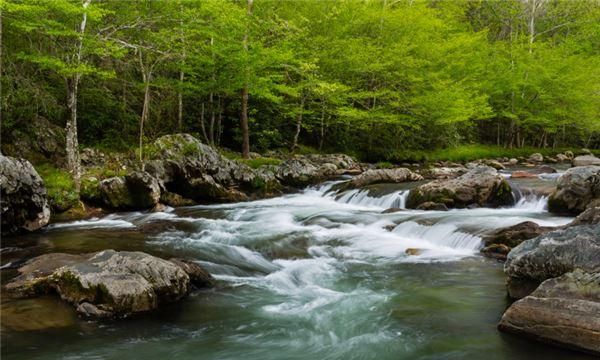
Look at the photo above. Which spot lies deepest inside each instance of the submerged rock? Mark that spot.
(575, 189)
(108, 283)
(23, 198)
(429, 205)
(563, 311)
(481, 186)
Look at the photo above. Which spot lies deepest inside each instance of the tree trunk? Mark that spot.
(211, 129)
(244, 115)
(180, 104)
(298, 125)
(322, 135)
(72, 143)
(144, 117)
(202, 126)
(219, 121)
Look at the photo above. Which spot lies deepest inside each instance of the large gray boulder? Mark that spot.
(185, 166)
(299, 172)
(481, 186)
(551, 255)
(137, 190)
(375, 176)
(575, 189)
(586, 160)
(563, 311)
(23, 199)
(591, 215)
(106, 283)
(37, 140)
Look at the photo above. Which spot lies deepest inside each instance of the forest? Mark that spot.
(375, 79)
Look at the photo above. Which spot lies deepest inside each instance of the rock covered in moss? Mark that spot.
(480, 186)
(137, 190)
(185, 166)
(106, 283)
(23, 197)
(575, 189)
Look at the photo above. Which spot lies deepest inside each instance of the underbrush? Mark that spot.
(60, 187)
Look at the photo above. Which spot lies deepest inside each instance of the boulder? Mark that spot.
(198, 276)
(23, 198)
(563, 311)
(185, 166)
(562, 158)
(376, 176)
(443, 172)
(536, 158)
(106, 283)
(298, 172)
(37, 140)
(554, 254)
(514, 235)
(493, 163)
(585, 160)
(575, 189)
(143, 188)
(591, 215)
(429, 205)
(496, 251)
(481, 186)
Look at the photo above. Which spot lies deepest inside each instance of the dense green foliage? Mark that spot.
(373, 78)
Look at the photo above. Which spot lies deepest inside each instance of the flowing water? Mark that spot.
(313, 275)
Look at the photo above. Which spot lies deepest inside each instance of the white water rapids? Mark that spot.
(316, 274)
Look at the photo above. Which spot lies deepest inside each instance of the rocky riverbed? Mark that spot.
(355, 264)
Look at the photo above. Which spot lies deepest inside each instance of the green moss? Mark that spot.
(60, 187)
(90, 189)
(384, 165)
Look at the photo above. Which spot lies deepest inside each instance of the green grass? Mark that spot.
(384, 165)
(470, 153)
(60, 187)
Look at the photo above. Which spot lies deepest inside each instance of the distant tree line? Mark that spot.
(366, 77)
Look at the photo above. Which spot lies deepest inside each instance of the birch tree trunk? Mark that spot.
(244, 95)
(72, 142)
(298, 125)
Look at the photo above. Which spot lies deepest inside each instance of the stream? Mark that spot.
(311, 275)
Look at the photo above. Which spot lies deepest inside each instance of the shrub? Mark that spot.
(60, 187)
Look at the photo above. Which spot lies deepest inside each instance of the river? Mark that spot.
(312, 275)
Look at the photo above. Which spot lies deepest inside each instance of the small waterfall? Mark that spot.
(446, 235)
(532, 202)
(528, 200)
(397, 199)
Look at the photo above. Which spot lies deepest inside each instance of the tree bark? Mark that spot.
(322, 135)
(244, 96)
(72, 143)
(144, 117)
(180, 104)
(202, 126)
(298, 125)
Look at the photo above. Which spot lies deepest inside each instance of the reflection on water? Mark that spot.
(310, 275)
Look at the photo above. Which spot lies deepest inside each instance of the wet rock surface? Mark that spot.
(481, 186)
(575, 190)
(563, 311)
(23, 198)
(108, 283)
